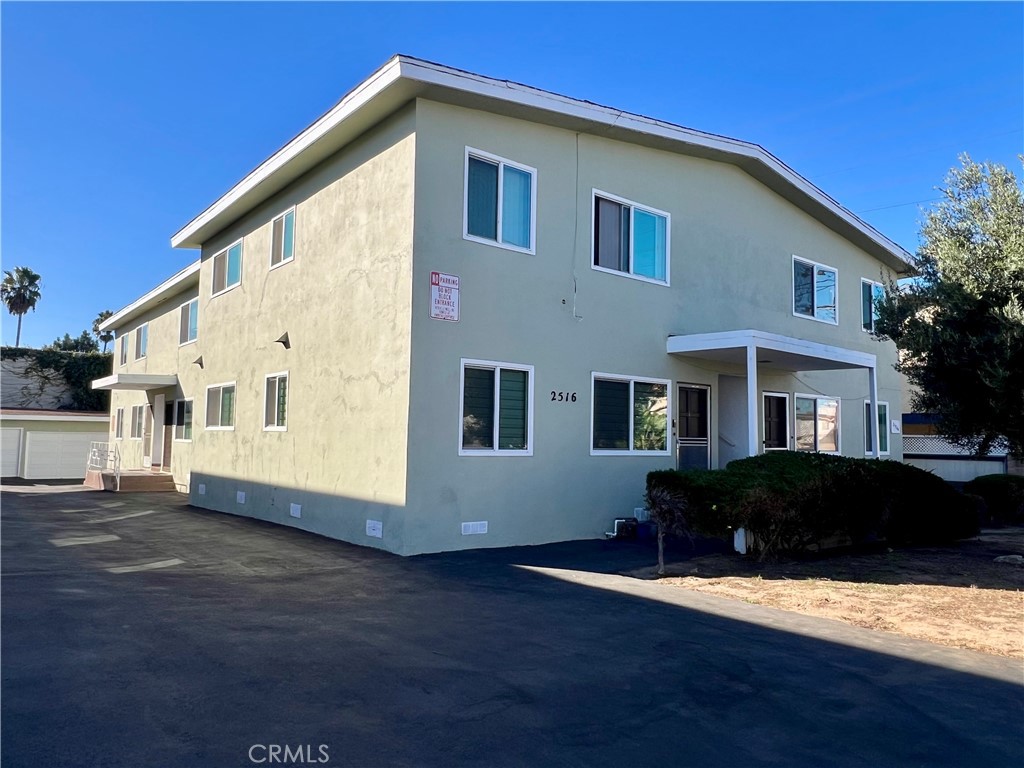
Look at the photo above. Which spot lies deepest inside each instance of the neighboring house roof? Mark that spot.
(404, 78)
(46, 414)
(175, 284)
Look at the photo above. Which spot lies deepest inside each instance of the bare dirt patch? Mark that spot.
(957, 596)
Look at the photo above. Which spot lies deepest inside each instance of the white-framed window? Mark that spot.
(275, 402)
(227, 268)
(138, 420)
(500, 203)
(495, 409)
(122, 345)
(141, 341)
(629, 415)
(119, 424)
(883, 428)
(815, 291)
(817, 423)
(220, 406)
(282, 239)
(188, 323)
(630, 238)
(871, 293)
(183, 420)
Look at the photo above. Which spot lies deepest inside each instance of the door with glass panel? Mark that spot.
(776, 421)
(693, 442)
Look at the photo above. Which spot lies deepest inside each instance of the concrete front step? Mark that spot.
(131, 482)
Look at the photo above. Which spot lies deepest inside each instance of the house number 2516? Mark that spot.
(563, 397)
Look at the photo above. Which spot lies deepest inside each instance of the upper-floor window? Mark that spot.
(630, 238)
(275, 403)
(141, 341)
(188, 326)
(870, 294)
(629, 415)
(220, 406)
(501, 201)
(815, 291)
(496, 412)
(883, 428)
(123, 347)
(817, 424)
(227, 268)
(282, 239)
(182, 419)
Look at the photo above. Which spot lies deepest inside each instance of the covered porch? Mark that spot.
(744, 357)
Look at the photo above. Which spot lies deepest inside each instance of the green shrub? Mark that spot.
(1003, 495)
(790, 501)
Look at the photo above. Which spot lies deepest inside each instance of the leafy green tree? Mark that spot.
(106, 336)
(20, 291)
(83, 343)
(959, 324)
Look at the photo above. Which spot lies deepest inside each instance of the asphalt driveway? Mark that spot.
(138, 631)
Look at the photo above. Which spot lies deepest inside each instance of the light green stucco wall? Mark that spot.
(732, 242)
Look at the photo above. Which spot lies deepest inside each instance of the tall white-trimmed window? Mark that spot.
(282, 239)
(188, 322)
(630, 238)
(227, 268)
(496, 409)
(138, 419)
(123, 347)
(119, 424)
(275, 402)
(883, 428)
(629, 415)
(870, 294)
(183, 420)
(817, 423)
(220, 406)
(501, 201)
(141, 341)
(815, 291)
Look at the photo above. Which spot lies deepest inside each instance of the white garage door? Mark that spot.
(58, 455)
(10, 451)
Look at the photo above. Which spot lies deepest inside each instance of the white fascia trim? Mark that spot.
(40, 417)
(705, 342)
(169, 286)
(429, 73)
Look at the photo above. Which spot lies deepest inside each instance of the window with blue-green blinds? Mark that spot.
(276, 402)
(495, 418)
(235, 264)
(227, 268)
(499, 202)
(649, 242)
(611, 415)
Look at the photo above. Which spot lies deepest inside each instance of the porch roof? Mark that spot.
(136, 381)
(774, 351)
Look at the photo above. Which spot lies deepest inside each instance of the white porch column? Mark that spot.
(873, 394)
(752, 447)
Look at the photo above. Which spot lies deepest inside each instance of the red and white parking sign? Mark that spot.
(444, 296)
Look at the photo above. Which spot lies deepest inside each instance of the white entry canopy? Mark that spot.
(136, 381)
(773, 351)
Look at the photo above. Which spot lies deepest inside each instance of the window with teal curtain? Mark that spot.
(289, 235)
(234, 273)
(649, 236)
(512, 400)
(482, 199)
(515, 206)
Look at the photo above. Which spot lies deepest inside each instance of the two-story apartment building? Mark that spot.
(459, 312)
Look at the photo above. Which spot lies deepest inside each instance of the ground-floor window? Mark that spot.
(776, 421)
(119, 423)
(817, 423)
(138, 412)
(629, 415)
(496, 414)
(220, 406)
(883, 427)
(275, 402)
(182, 419)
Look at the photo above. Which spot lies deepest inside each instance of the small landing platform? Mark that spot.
(132, 481)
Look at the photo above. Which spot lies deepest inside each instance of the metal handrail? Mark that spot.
(102, 457)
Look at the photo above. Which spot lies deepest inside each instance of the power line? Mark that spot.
(899, 205)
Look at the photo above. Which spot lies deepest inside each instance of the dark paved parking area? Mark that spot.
(214, 638)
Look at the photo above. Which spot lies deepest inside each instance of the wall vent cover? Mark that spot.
(477, 527)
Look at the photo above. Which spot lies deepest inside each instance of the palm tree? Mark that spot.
(106, 336)
(20, 292)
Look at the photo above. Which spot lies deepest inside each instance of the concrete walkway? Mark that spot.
(199, 639)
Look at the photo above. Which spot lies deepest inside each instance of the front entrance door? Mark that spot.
(776, 422)
(693, 443)
(156, 432)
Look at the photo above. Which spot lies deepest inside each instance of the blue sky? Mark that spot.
(122, 121)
